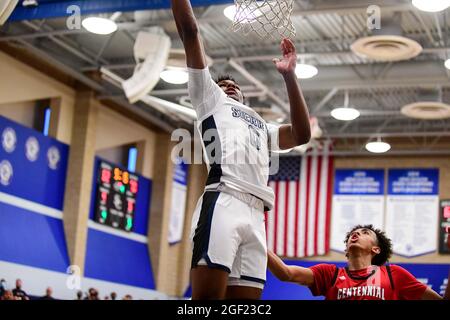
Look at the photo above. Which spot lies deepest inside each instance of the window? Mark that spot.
(42, 116)
(132, 158)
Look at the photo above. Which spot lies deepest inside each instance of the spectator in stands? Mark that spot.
(106, 298)
(18, 292)
(93, 294)
(113, 296)
(48, 294)
(3, 287)
(127, 297)
(88, 294)
(79, 295)
(7, 295)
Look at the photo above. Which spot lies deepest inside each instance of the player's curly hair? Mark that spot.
(229, 77)
(383, 242)
(225, 77)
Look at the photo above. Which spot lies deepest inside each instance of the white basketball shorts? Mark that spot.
(228, 232)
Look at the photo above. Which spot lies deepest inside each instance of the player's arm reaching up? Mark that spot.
(283, 272)
(188, 30)
(299, 132)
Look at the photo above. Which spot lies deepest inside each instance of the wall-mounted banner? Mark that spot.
(412, 210)
(444, 227)
(358, 199)
(178, 205)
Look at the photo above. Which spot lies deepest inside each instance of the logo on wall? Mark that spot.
(53, 158)
(32, 149)
(6, 172)
(9, 140)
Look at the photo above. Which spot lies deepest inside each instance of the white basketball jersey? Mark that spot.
(236, 140)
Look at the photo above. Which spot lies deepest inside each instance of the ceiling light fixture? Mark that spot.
(99, 25)
(175, 75)
(378, 146)
(447, 64)
(345, 113)
(431, 5)
(248, 15)
(305, 71)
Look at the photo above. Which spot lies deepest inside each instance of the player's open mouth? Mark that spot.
(230, 92)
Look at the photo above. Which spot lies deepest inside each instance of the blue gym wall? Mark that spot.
(31, 226)
(28, 237)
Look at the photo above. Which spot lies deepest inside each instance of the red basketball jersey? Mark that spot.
(373, 283)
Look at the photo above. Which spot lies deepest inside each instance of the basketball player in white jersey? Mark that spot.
(228, 231)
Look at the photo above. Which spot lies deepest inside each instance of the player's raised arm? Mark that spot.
(430, 294)
(283, 272)
(188, 30)
(299, 132)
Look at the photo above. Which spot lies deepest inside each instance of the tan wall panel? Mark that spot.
(21, 112)
(114, 129)
(62, 123)
(21, 83)
(197, 177)
(178, 262)
(160, 212)
(77, 196)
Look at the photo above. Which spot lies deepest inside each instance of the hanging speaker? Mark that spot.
(6, 8)
(153, 48)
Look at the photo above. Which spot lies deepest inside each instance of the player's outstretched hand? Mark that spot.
(288, 63)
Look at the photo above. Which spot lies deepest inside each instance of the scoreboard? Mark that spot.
(116, 197)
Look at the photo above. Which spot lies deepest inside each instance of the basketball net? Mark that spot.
(265, 18)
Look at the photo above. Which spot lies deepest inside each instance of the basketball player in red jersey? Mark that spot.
(366, 276)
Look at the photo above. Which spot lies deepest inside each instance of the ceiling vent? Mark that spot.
(387, 44)
(151, 46)
(429, 106)
(427, 110)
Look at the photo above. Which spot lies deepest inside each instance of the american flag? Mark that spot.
(299, 223)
